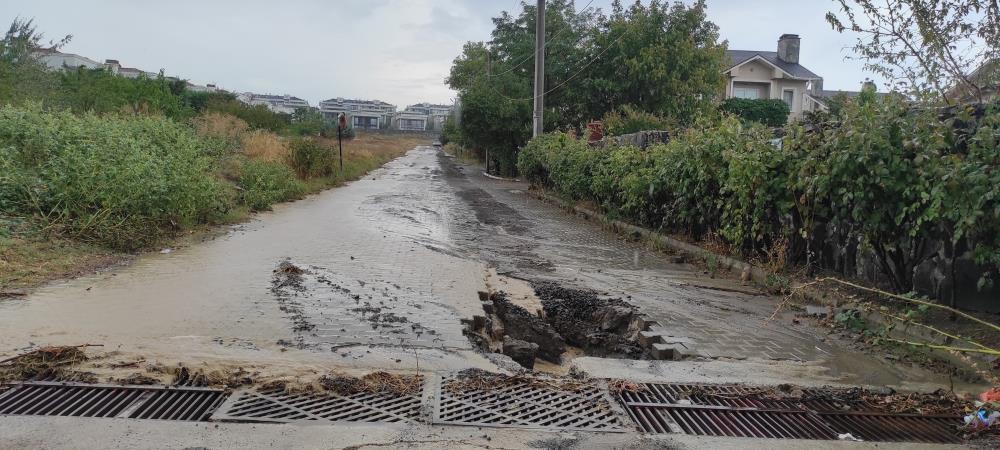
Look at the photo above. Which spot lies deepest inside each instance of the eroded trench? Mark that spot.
(553, 323)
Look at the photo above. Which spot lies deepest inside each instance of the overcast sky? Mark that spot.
(393, 50)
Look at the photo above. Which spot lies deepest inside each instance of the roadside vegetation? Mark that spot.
(878, 188)
(93, 165)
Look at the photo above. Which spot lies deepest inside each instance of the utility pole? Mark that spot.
(539, 67)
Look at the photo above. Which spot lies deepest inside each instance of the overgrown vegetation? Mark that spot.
(95, 162)
(663, 59)
(629, 119)
(896, 179)
(771, 112)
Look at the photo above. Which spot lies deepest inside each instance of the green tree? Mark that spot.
(22, 76)
(662, 59)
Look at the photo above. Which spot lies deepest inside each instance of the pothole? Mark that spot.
(547, 327)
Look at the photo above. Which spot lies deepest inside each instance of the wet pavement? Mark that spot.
(388, 266)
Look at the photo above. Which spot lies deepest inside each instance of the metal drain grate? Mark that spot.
(718, 410)
(39, 398)
(525, 406)
(896, 427)
(713, 421)
(277, 406)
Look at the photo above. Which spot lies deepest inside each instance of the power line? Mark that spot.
(519, 64)
(572, 77)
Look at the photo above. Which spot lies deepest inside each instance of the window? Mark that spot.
(788, 96)
(751, 92)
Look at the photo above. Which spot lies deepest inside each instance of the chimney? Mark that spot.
(788, 48)
(868, 85)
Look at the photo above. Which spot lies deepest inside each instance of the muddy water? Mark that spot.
(213, 302)
(391, 264)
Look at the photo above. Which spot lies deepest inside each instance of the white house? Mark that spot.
(411, 121)
(285, 104)
(56, 60)
(369, 114)
(436, 113)
(758, 74)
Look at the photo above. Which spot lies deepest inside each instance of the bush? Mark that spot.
(624, 185)
(630, 120)
(770, 112)
(310, 159)
(257, 117)
(265, 183)
(560, 161)
(755, 191)
(123, 182)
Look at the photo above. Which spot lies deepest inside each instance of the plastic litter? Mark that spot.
(848, 437)
(992, 395)
(981, 419)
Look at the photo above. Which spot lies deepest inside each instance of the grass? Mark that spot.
(30, 257)
(363, 154)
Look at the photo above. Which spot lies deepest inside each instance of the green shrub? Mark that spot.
(123, 182)
(311, 159)
(755, 191)
(561, 162)
(624, 185)
(631, 120)
(690, 170)
(770, 112)
(265, 183)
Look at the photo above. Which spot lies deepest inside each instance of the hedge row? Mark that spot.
(899, 181)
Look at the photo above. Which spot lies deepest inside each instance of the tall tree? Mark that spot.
(662, 58)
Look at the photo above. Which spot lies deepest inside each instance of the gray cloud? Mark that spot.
(395, 50)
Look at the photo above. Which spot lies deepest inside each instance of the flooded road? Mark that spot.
(378, 274)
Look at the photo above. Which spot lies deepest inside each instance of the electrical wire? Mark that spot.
(547, 41)
(571, 78)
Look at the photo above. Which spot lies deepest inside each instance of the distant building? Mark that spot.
(758, 74)
(435, 113)
(363, 114)
(411, 121)
(56, 60)
(285, 104)
(128, 72)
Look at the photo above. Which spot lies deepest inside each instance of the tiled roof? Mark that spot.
(737, 57)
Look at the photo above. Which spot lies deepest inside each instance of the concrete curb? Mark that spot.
(760, 277)
(757, 274)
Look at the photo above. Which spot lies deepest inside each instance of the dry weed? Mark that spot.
(220, 125)
(46, 362)
(264, 145)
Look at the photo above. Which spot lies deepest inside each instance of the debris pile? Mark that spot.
(373, 383)
(602, 326)
(606, 327)
(227, 378)
(46, 363)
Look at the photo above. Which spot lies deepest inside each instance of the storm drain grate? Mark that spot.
(40, 398)
(719, 410)
(525, 405)
(275, 405)
(896, 427)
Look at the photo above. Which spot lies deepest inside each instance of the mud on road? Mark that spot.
(380, 274)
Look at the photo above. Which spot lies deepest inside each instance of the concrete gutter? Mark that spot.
(757, 274)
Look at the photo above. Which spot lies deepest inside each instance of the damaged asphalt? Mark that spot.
(380, 275)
